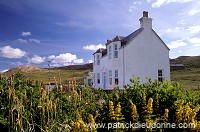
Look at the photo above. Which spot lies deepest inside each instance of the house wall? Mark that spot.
(144, 56)
(105, 66)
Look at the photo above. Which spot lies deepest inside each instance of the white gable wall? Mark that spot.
(144, 55)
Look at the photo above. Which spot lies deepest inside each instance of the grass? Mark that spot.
(61, 76)
(190, 78)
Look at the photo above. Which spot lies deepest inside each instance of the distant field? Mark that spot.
(56, 75)
(190, 78)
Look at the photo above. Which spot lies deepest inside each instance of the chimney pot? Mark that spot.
(145, 14)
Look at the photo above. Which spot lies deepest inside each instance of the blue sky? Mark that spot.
(33, 32)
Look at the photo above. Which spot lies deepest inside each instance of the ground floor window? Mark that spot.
(110, 77)
(98, 78)
(160, 75)
(116, 77)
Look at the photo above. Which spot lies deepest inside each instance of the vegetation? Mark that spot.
(26, 106)
(189, 77)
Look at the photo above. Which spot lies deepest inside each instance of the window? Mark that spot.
(109, 52)
(160, 75)
(94, 78)
(116, 77)
(98, 78)
(115, 51)
(98, 60)
(94, 60)
(110, 77)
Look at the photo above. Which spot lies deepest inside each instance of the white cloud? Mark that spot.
(78, 61)
(36, 59)
(62, 58)
(34, 41)
(194, 40)
(193, 12)
(94, 47)
(176, 44)
(194, 29)
(4, 71)
(159, 3)
(24, 41)
(196, 45)
(90, 61)
(9, 52)
(25, 34)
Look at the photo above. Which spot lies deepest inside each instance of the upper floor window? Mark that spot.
(109, 52)
(98, 60)
(160, 75)
(115, 51)
(116, 77)
(94, 60)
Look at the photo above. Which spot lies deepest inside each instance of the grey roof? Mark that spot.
(125, 40)
(101, 50)
(130, 37)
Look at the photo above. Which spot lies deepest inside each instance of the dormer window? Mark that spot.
(109, 52)
(115, 51)
(98, 60)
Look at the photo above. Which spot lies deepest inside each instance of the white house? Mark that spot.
(140, 54)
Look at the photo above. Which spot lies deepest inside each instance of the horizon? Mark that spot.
(68, 32)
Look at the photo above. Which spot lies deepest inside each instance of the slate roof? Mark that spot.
(130, 37)
(101, 50)
(124, 41)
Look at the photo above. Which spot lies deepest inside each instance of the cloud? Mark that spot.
(4, 71)
(93, 47)
(194, 29)
(34, 41)
(36, 59)
(62, 58)
(90, 61)
(194, 40)
(25, 34)
(193, 12)
(159, 3)
(24, 41)
(78, 61)
(9, 52)
(176, 44)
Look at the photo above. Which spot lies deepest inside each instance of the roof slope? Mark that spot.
(130, 37)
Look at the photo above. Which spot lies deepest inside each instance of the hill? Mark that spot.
(189, 77)
(188, 61)
(56, 74)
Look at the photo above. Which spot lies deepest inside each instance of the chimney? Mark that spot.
(145, 14)
(145, 21)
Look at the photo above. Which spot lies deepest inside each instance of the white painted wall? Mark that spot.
(142, 57)
(145, 55)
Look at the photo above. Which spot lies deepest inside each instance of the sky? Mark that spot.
(67, 32)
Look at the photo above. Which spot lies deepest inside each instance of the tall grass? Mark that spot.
(27, 106)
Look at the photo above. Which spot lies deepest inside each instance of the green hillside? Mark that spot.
(189, 77)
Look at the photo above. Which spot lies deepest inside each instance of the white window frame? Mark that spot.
(98, 59)
(110, 77)
(98, 78)
(115, 53)
(160, 75)
(116, 77)
(109, 52)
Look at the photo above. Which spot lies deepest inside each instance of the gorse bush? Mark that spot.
(27, 106)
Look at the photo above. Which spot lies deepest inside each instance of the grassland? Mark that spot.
(190, 77)
(56, 76)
